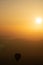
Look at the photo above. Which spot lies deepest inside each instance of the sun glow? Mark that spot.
(38, 20)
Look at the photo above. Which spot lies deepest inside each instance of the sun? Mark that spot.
(38, 20)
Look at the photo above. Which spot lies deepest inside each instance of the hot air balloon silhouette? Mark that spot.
(17, 56)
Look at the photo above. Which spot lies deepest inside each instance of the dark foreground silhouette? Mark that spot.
(17, 56)
(29, 52)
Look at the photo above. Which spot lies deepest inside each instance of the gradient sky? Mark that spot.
(18, 17)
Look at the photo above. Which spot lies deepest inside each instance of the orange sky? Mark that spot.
(17, 18)
(21, 32)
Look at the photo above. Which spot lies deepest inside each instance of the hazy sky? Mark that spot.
(19, 15)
